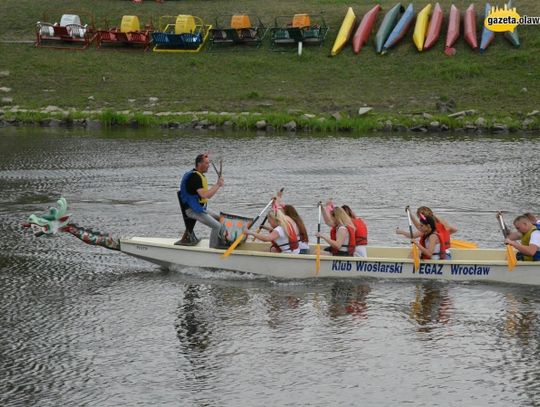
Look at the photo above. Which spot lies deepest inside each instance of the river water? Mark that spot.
(81, 325)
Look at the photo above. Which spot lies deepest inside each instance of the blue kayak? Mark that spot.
(487, 34)
(400, 29)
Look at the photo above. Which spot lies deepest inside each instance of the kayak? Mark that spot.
(364, 29)
(512, 36)
(469, 27)
(434, 28)
(480, 265)
(420, 28)
(487, 34)
(400, 29)
(345, 32)
(388, 23)
(453, 28)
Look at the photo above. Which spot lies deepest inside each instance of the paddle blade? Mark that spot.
(511, 257)
(416, 257)
(462, 244)
(318, 259)
(233, 246)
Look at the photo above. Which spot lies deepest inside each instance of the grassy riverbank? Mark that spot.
(502, 83)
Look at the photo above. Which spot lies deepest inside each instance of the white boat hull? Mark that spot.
(486, 265)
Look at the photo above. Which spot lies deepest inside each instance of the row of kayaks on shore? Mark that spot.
(188, 33)
(397, 22)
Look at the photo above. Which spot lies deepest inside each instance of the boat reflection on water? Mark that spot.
(278, 304)
(191, 328)
(521, 319)
(349, 298)
(431, 306)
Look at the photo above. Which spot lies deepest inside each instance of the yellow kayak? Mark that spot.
(420, 29)
(345, 32)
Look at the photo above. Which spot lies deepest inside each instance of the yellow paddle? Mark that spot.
(318, 247)
(242, 235)
(462, 244)
(415, 254)
(510, 254)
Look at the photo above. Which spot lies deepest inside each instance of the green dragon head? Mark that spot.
(51, 222)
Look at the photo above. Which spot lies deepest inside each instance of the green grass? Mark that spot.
(273, 83)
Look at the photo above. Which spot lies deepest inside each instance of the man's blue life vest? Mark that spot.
(193, 201)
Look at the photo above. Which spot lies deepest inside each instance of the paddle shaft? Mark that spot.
(318, 248)
(416, 257)
(266, 217)
(319, 224)
(218, 173)
(239, 238)
(410, 221)
(262, 223)
(502, 225)
(261, 226)
(510, 255)
(260, 214)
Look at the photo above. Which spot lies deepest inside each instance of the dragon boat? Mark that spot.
(478, 265)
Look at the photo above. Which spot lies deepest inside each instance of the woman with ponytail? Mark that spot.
(432, 244)
(283, 235)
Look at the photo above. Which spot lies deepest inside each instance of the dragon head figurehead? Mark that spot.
(50, 223)
(57, 220)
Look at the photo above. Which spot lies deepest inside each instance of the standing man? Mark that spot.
(193, 196)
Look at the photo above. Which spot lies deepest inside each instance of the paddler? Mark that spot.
(529, 245)
(444, 229)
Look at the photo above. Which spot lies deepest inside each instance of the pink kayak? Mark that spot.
(453, 27)
(434, 28)
(364, 29)
(469, 27)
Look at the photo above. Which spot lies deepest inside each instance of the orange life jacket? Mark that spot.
(443, 234)
(361, 232)
(293, 240)
(442, 247)
(352, 240)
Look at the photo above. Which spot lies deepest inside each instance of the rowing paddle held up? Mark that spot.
(416, 255)
(510, 254)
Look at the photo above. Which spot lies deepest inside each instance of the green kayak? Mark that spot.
(512, 36)
(386, 27)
